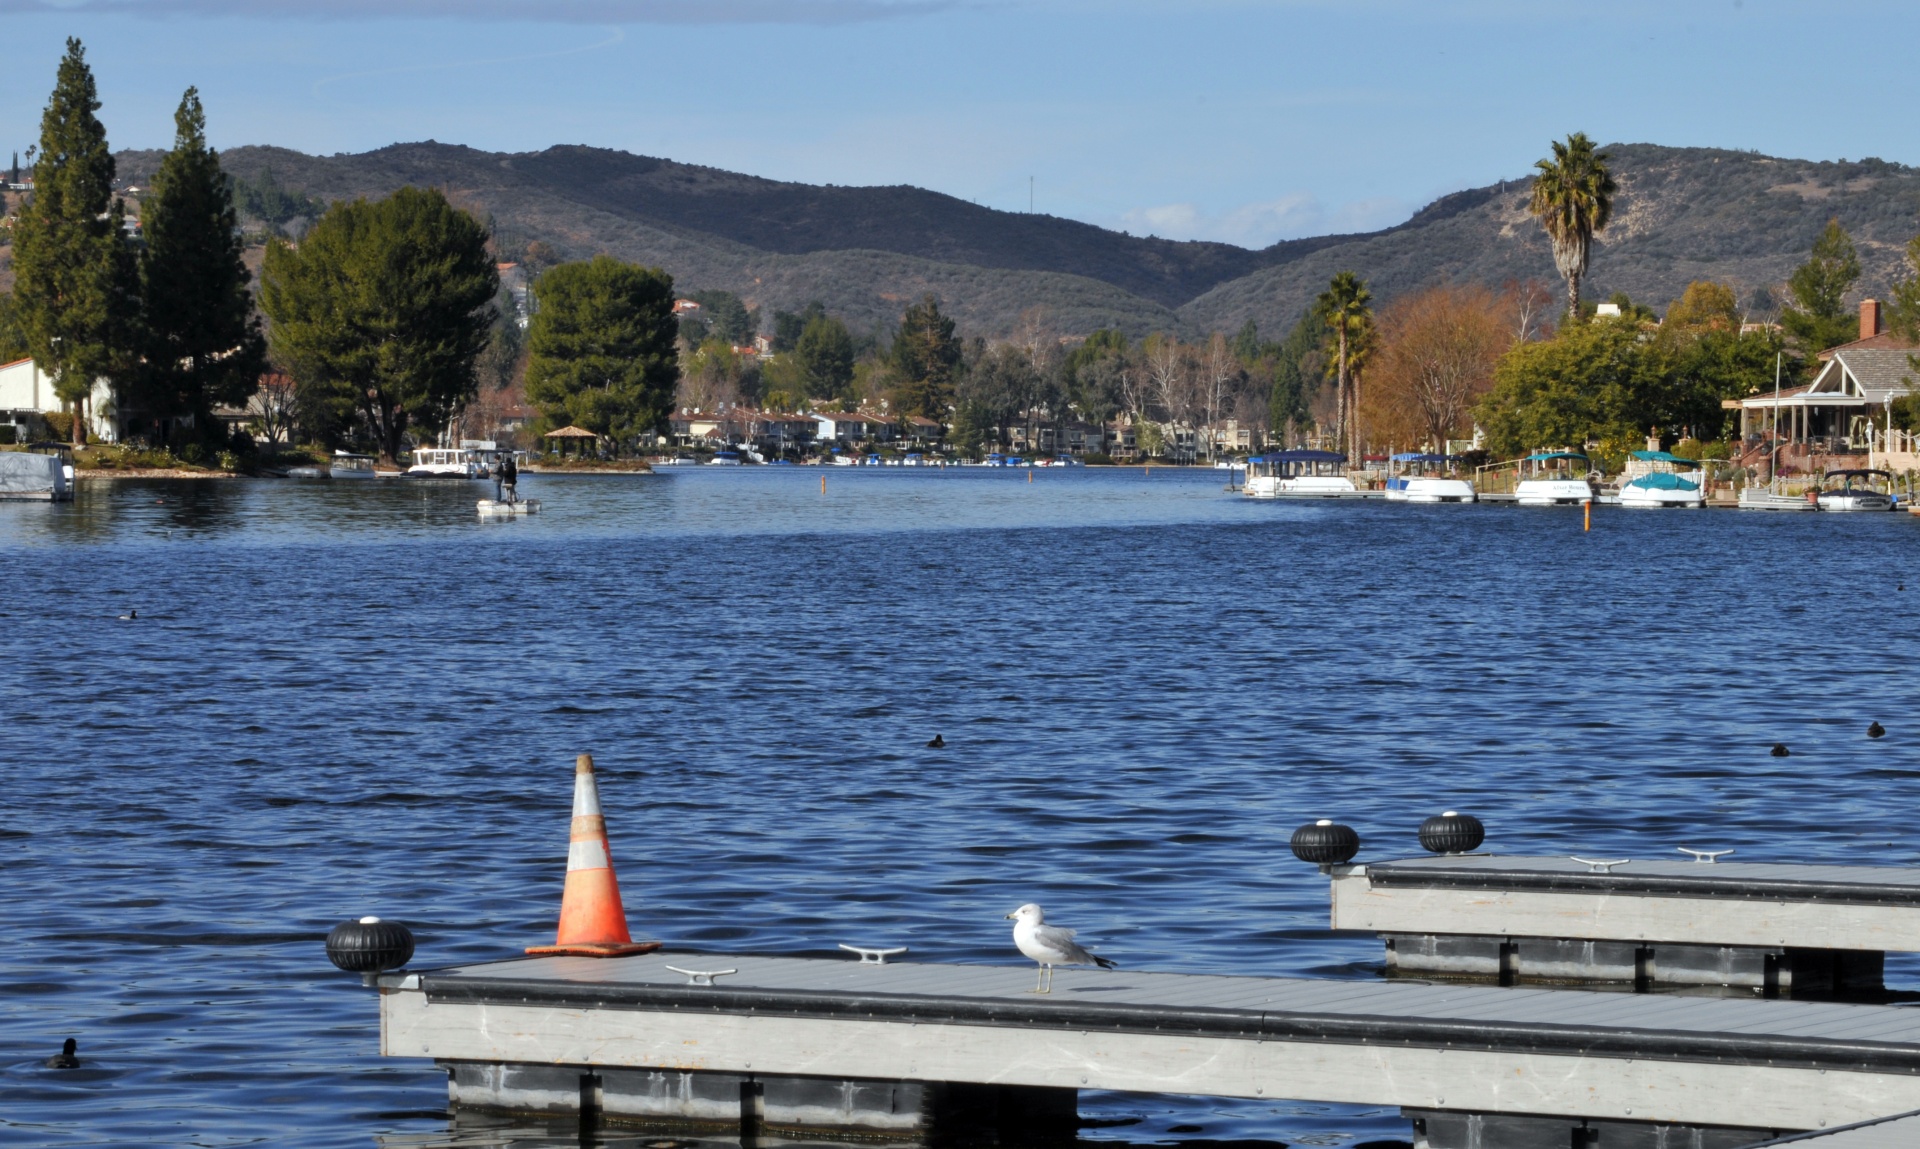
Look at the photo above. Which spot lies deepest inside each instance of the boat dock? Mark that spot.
(751, 1043)
(1778, 929)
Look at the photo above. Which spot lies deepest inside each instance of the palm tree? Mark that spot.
(1573, 200)
(1344, 307)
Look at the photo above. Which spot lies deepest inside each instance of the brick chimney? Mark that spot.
(1869, 318)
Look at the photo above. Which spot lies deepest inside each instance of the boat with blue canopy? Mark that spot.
(1299, 474)
(1417, 477)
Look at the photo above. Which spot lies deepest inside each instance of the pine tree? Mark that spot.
(71, 262)
(927, 355)
(203, 346)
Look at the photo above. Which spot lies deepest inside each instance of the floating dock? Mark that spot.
(499, 509)
(1773, 928)
(897, 1050)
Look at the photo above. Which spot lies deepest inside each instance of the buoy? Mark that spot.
(65, 1059)
(1875, 730)
(1029, 474)
(593, 923)
(1780, 750)
(369, 947)
(938, 743)
(1586, 521)
(823, 484)
(1452, 833)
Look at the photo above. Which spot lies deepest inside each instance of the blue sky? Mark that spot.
(1217, 119)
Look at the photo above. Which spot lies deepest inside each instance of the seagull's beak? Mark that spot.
(1014, 914)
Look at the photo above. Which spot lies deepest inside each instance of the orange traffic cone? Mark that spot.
(592, 921)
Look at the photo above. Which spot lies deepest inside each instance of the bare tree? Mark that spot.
(1219, 372)
(1531, 303)
(275, 407)
(1436, 357)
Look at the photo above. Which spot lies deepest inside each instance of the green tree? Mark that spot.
(925, 354)
(727, 317)
(1704, 304)
(1573, 200)
(602, 351)
(1294, 369)
(1343, 306)
(13, 335)
(824, 353)
(75, 277)
(386, 307)
(787, 325)
(202, 344)
(1818, 317)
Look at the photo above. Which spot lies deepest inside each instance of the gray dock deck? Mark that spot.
(1862, 908)
(1719, 1062)
(1901, 1132)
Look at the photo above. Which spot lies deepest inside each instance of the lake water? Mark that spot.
(343, 699)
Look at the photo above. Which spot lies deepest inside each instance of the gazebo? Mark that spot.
(575, 434)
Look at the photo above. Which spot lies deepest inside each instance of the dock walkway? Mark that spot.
(1723, 1063)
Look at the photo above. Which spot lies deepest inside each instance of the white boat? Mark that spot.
(350, 466)
(1412, 479)
(32, 475)
(1300, 474)
(1847, 498)
(1666, 484)
(1554, 480)
(724, 459)
(1768, 499)
(446, 463)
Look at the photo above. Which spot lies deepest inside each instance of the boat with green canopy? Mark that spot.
(1667, 481)
(1554, 479)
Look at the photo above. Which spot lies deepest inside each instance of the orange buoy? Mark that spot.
(823, 484)
(1587, 522)
(593, 923)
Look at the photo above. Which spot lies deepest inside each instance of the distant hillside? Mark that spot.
(1684, 213)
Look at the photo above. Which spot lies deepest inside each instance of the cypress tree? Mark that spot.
(71, 263)
(203, 346)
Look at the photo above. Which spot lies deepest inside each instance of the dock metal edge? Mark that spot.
(1541, 1039)
(1388, 875)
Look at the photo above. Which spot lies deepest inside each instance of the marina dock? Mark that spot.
(898, 1049)
(1773, 928)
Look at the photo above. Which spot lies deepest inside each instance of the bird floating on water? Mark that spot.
(1780, 750)
(130, 616)
(938, 743)
(65, 1059)
(1875, 730)
(1049, 945)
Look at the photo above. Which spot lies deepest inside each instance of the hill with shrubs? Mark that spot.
(864, 252)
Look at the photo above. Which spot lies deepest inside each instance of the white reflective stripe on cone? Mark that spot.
(588, 855)
(586, 795)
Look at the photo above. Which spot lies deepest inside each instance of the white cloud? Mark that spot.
(1265, 222)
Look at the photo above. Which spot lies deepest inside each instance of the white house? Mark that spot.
(26, 393)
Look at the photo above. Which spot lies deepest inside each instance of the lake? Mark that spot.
(342, 699)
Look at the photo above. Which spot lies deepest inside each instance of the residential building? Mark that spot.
(26, 395)
(1842, 412)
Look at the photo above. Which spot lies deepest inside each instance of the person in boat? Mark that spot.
(497, 471)
(509, 477)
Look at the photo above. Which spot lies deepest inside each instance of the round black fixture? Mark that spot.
(1325, 843)
(1452, 833)
(369, 946)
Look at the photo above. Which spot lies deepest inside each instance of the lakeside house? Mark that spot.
(1842, 414)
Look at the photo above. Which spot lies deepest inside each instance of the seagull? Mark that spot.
(940, 743)
(1049, 945)
(64, 1059)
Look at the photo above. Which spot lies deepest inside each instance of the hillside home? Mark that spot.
(921, 429)
(840, 426)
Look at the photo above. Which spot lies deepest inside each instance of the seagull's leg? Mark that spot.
(1039, 971)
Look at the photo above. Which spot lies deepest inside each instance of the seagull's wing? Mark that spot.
(1061, 939)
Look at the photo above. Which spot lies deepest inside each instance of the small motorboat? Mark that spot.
(446, 463)
(1424, 478)
(1665, 484)
(350, 466)
(1847, 498)
(1554, 479)
(724, 459)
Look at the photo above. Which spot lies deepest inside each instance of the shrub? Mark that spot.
(1097, 459)
(59, 425)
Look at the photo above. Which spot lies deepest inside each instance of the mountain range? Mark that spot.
(865, 252)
